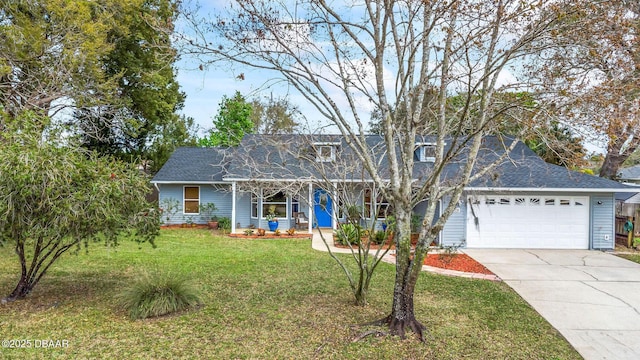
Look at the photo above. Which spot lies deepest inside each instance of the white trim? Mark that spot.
(311, 215)
(193, 182)
(422, 156)
(334, 143)
(184, 199)
(332, 153)
(233, 207)
(271, 180)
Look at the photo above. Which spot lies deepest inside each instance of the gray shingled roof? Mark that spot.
(267, 157)
(630, 173)
(193, 164)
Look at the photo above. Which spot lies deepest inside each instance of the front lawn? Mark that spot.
(261, 299)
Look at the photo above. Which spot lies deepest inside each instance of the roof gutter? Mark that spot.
(228, 180)
(190, 182)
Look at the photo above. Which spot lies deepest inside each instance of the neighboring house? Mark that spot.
(522, 203)
(630, 175)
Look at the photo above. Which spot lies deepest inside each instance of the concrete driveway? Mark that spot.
(591, 297)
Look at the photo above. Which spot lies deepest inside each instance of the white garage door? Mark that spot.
(536, 222)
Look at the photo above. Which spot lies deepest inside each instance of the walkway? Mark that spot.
(318, 244)
(591, 297)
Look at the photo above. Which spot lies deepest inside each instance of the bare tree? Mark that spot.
(401, 57)
(289, 164)
(594, 75)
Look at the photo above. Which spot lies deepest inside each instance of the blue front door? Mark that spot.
(322, 207)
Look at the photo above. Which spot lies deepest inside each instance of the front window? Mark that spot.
(368, 203)
(383, 207)
(379, 208)
(275, 204)
(191, 200)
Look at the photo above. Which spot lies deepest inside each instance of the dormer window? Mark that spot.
(426, 152)
(325, 152)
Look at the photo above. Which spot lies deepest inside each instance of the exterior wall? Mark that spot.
(455, 229)
(243, 209)
(220, 195)
(602, 221)
(421, 208)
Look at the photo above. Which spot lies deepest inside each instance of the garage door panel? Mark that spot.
(551, 222)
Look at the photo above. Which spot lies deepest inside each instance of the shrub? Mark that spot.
(157, 295)
(348, 234)
(379, 237)
(224, 224)
(416, 223)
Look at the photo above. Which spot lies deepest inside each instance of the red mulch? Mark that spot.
(459, 262)
(271, 236)
(185, 226)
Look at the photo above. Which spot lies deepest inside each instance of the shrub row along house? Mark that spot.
(522, 203)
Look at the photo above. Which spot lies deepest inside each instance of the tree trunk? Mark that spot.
(616, 155)
(22, 289)
(611, 164)
(402, 315)
(407, 271)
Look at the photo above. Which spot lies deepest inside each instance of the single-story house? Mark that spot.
(522, 203)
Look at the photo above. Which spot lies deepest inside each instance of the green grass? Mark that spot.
(260, 299)
(632, 257)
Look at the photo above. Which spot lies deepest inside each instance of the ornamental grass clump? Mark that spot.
(157, 295)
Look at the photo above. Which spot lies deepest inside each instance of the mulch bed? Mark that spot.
(459, 262)
(271, 236)
(180, 226)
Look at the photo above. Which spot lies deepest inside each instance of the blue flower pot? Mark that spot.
(273, 225)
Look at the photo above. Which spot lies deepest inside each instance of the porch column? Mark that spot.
(310, 198)
(334, 213)
(233, 207)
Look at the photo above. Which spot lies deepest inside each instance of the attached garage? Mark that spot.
(528, 221)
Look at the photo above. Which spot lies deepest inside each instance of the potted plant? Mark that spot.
(213, 223)
(272, 220)
(190, 222)
(207, 211)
